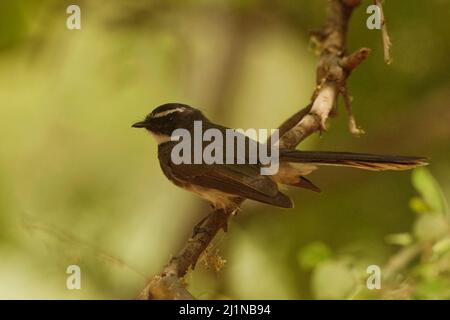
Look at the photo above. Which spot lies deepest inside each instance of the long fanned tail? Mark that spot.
(356, 160)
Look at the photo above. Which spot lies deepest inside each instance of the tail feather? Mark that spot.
(306, 184)
(356, 160)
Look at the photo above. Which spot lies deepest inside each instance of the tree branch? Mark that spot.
(333, 69)
(332, 72)
(169, 285)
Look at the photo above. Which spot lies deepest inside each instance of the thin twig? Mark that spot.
(385, 35)
(352, 126)
(64, 236)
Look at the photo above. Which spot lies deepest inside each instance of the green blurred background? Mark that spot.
(79, 186)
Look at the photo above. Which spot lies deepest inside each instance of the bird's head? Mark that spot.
(168, 117)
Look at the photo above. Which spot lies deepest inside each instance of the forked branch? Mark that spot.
(332, 72)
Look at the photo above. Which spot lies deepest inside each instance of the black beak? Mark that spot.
(140, 124)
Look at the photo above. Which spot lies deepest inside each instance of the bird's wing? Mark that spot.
(236, 179)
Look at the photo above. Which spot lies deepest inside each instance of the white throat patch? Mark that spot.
(160, 138)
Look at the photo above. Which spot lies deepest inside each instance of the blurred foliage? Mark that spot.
(313, 254)
(422, 275)
(429, 189)
(79, 186)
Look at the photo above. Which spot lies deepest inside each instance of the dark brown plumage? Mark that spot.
(225, 185)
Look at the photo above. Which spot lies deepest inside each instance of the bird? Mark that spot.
(224, 185)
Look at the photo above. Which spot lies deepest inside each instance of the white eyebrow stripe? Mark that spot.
(165, 113)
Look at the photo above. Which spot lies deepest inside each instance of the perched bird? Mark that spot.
(225, 185)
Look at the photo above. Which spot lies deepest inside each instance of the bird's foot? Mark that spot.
(198, 228)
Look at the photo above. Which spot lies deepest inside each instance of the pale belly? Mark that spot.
(218, 199)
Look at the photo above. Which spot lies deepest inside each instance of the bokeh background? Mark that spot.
(79, 186)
